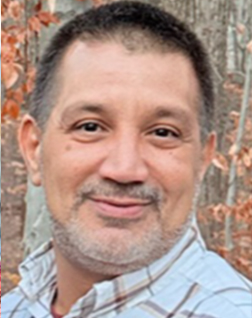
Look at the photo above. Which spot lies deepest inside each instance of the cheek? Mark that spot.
(177, 177)
(70, 162)
(175, 170)
(65, 168)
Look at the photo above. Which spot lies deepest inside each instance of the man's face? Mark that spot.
(121, 155)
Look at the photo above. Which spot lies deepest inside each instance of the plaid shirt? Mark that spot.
(188, 282)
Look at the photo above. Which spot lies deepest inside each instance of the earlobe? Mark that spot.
(208, 153)
(29, 137)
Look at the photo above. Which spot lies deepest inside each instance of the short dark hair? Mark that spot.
(119, 20)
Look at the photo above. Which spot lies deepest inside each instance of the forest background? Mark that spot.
(225, 212)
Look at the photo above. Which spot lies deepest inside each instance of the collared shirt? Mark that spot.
(188, 282)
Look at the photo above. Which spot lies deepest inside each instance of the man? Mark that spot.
(120, 136)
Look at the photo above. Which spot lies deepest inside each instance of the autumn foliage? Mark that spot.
(213, 217)
(18, 72)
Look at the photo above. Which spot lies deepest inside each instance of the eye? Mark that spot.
(165, 132)
(89, 127)
(165, 137)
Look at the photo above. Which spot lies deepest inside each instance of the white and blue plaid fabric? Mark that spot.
(188, 282)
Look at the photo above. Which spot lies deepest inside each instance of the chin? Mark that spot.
(108, 251)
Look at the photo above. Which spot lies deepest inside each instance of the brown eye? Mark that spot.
(163, 132)
(89, 127)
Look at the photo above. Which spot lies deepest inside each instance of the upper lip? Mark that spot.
(124, 202)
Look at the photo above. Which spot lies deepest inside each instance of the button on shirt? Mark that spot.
(188, 282)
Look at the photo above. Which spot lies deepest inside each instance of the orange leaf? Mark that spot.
(46, 18)
(34, 24)
(11, 108)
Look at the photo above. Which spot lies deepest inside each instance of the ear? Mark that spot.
(208, 153)
(29, 137)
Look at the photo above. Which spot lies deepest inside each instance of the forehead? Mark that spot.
(107, 72)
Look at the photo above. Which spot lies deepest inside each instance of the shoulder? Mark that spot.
(223, 289)
(14, 304)
(205, 287)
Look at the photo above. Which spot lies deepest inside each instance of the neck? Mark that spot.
(72, 283)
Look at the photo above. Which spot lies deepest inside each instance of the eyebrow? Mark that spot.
(73, 110)
(158, 112)
(172, 112)
(98, 109)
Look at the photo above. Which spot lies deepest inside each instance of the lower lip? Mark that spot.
(125, 212)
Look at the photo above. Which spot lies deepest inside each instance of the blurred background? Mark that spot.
(225, 211)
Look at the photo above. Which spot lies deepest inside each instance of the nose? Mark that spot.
(124, 163)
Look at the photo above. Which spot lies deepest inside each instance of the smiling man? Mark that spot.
(120, 136)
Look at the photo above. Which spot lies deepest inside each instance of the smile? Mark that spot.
(119, 208)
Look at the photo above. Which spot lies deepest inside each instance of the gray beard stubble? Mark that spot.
(81, 249)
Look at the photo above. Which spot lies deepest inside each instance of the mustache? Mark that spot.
(109, 188)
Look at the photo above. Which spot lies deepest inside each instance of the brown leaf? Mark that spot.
(240, 28)
(247, 160)
(8, 51)
(21, 188)
(217, 212)
(243, 262)
(14, 278)
(10, 74)
(233, 150)
(223, 251)
(220, 162)
(18, 96)
(17, 164)
(46, 18)
(28, 86)
(15, 10)
(38, 6)
(235, 116)
(34, 24)
(21, 36)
